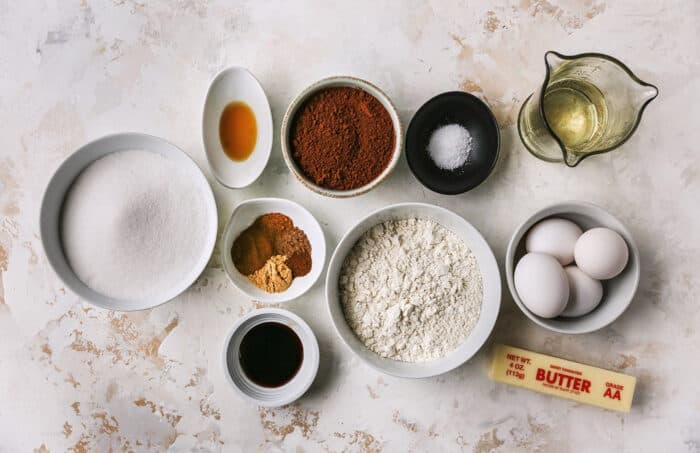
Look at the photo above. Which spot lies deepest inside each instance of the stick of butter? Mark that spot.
(564, 378)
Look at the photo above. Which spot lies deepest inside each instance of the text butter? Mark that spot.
(564, 378)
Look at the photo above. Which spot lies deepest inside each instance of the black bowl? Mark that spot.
(453, 107)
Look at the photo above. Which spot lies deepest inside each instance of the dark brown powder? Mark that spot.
(294, 244)
(251, 249)
(274, 223)
(342, 138)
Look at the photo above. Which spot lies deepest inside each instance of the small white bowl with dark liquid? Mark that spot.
(271, 357)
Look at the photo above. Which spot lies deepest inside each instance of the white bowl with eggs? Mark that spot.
(617, 292)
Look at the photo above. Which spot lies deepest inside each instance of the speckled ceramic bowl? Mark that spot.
(340, 82)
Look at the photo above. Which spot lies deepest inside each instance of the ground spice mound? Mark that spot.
(275, 222)
(294, 244)
(342, 138)
(270, 250)
(251, 250)
(274, 277)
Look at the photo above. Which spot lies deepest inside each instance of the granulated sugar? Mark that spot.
(411, 290)
(133, 224)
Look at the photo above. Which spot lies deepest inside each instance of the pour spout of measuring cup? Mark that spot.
(646, 93)
(572, 159)
(553, 60)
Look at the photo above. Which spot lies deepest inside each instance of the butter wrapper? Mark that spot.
(563, 378)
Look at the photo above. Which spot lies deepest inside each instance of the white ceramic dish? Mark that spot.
(230, 85)
(51, 205)
(243, 216)
(265, 396)
(489, 308)
(617, 292)
(340, 82)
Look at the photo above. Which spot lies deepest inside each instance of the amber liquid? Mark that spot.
(238, 131)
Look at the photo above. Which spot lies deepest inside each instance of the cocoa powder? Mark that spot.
(342, 138)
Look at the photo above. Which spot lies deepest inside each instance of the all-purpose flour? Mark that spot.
(133, 224)
(411, 290)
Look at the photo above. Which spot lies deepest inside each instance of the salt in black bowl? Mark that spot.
(453, 107)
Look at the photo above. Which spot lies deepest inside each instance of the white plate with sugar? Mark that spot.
(128, 222)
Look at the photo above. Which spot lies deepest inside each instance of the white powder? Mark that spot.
(450, 146)
(133, 224)
(411, 290)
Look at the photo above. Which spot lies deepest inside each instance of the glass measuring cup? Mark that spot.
(589, 104)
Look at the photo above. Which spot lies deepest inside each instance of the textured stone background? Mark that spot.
(76, 378)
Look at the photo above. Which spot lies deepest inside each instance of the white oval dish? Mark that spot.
(230, 85)
(330, 82)
(60, 183)
(617, 292)
(243, 216)
(277, 396)
(490, 278)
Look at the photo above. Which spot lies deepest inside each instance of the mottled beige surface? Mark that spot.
(76, 378)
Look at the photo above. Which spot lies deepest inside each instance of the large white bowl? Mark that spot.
(489, 307)
(331, 82)
(52, 203)
(617, 292)
(243, 216)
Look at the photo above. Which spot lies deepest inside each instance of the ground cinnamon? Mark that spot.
(274, 223)
(251, 249)
(342, 138)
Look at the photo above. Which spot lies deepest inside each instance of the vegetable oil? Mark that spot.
(576, 113)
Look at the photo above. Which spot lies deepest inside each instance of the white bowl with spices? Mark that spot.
(243, 216)
(465, 343)
(381, 111)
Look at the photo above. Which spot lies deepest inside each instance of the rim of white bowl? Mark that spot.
(488, 267)
(571, 207)
(63, 270)
(269, 298)
(347, 81)
(302, 380)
